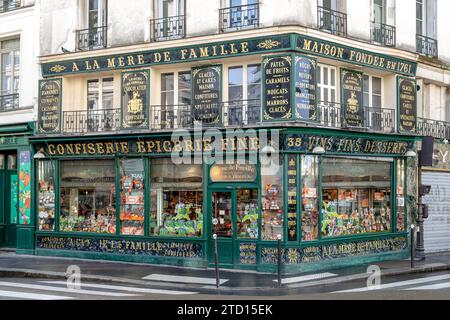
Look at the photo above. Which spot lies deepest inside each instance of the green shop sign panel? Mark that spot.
(338, 144)
(323, 252)
(49, 111)
(206, 94)
(133, 247)
(352, 98)
(135, 99)
(25, 187)
(247, 46)
(205, 51)
(352, 55)
(407, 104)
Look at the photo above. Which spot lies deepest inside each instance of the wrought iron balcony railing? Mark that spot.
(168, 28)
(91, 121)
(239, 17)
(332, 21)
(433, 128)
(9, 102)
(383, 34)
(93, 38)
(242, 112)
(426, 46)
(10, 5)
(372, 119)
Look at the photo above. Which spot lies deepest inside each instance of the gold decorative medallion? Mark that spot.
(268, 44)
(135, 104)
(352, 103)
(58, 68)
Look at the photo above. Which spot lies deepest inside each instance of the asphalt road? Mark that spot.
(434, 286)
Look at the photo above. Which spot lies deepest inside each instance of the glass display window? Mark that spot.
(46, 195)
(310, 198)
(356, 196)
(176, 199)
(247, 213)
(272, 202)
(222, 214)
(88, 196)
(132, 197)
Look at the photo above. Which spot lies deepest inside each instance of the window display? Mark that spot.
(400, 196)
(176, 199)
(46, 195)
(356, 197)
(247, 213)
(272, 202)
(310, 185)
(132, 197)
(88, 196)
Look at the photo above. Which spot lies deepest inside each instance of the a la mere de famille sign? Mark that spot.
(207, 51)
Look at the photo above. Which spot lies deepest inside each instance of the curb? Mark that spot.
(29, 273)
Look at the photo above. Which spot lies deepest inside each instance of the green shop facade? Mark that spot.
(334, 196)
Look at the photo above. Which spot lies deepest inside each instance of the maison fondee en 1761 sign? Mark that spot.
(135, 88)
(49, 106)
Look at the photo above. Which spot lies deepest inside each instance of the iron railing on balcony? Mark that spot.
(433, 128)
(91, 121)
(171, 117)
(332, 21)
(383, 34)
(9, 5)
(242, 112)
(239, 17)
(168, 28)
(426, 46)
(372, 119)
(93, 38)
(9, 102)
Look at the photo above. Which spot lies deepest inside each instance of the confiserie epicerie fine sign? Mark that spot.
(151, 145)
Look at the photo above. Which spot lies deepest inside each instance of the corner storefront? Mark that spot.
(124, 198)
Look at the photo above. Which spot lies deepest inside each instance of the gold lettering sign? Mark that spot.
(233, 173)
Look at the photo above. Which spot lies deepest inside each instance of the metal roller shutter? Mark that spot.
(437, 226)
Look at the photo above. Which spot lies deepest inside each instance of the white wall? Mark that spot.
(358, 18)
(202, 17)
(21, 24)
(443, 29)
(405, 21)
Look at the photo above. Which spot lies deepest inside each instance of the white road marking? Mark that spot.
(128, 289)
(66, 290)
(29, 295)
(437, 286)
(307, 278)
(182, 279)
(398, 284)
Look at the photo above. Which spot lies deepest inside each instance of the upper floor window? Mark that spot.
(93, 34)
(239, 14)
(244, 94)
(9, 5)
(9, 74)
(332, 17)
(383, 22)
(169, 22)
(426, 27)
(101, 114)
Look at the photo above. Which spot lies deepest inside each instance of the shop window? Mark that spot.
(46, 195)
(356, 197)
(247, 213)
(221, 213)
(88, 196)
(272, 202)
(176, 199)
(132, 196)
(400, 196)
(310, 199)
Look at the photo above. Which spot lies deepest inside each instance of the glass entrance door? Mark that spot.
(234, 217)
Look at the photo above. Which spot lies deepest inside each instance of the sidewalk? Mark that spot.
(12, 265)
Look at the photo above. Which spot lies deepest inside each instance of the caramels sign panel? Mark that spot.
(135, 88)
(407, 104)
(206, 94)
(49, 106)
(352, 98)
(277, 72)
